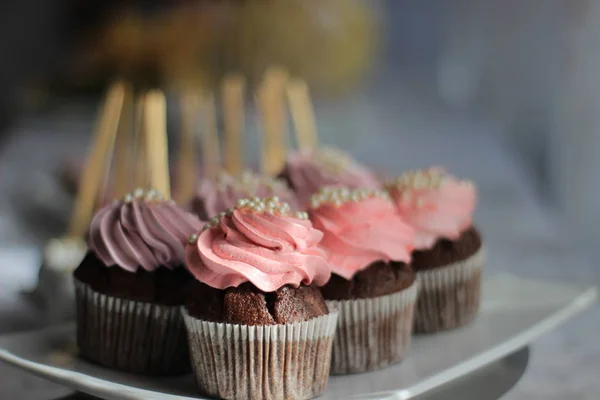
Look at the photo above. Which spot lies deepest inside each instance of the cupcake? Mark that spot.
(218, 195)
(448, 256)
(129, 287)
(258, 326)
(368, 249)
(309, 170)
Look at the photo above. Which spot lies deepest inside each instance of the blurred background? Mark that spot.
(504, 92)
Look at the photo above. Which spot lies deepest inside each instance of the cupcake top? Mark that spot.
(260, 241)
(308, 171)
(143, 230)
(436, 204)
(360, 227)
(217, 195)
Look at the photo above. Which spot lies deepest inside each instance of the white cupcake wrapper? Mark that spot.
(449, 296)
(372, 333)
(261, 362)
(130, 335)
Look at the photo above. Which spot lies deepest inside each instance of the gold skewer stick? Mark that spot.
(211, 154)
(97, 162)
(155, 118)
(303, 114)
(233, 117)
(141, 176)
(274, 120)
(186, 167)
(124, 147)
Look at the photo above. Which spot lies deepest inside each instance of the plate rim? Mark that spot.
(107, 389)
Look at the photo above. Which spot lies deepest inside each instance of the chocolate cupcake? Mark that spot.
(309, 170)
(448, 256)
(129, 288)
(257, 325)
(368, 249)
(217, 195)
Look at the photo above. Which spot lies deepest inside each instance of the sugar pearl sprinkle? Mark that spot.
(270, 205)
(249, 182)
(338, 196)
(431, 178)
(150, 195)
(333, 160)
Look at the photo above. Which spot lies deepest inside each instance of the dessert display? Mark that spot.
(308, 170)
(218, 195)
(130, 285)
(448, 256)
(283, 285)
(368, 248)
(258, 326)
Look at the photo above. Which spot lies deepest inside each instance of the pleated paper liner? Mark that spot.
(449, 296)
(372, 333)
(129, 335)
(261, 362)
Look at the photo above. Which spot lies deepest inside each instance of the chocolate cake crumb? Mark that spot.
(247, 305)
(446, 252)
(163, 286)
(379, 279)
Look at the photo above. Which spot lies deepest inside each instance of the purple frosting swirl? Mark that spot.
(140, 233)
(310, 170)
(217, 195)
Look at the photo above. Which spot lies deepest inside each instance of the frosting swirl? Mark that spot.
(308, 171)
(141, 231)
(436, 204)
(360, 227)
(217, 195)
(261, 242)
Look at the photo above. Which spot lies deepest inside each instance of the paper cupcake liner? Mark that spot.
(129, 335)
(372, 333)
(449, 296)
(261, 362)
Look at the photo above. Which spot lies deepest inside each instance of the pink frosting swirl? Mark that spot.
(436, 204)
(141, 232)
(267, 249)
(308, 171)
(217, 195)
(360, 227)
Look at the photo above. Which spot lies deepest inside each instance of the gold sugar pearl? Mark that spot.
(149, 195)
(431, 178)
(193, 238)
(339, 196)
(332, 160)
(271, 205)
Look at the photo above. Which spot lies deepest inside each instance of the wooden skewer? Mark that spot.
(186, 168)
(155, 118)
(303, 114)
(233, 116)
(96, 165)
(211, 155)
(141, 176)
(123, 165)
(274, 120)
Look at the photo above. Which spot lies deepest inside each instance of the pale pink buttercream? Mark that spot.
(141, 234)
(217, 195)
(361, 231)
(310, 170)
(262, 248)
(436, 204)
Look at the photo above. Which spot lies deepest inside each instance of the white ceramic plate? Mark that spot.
(514, 312)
